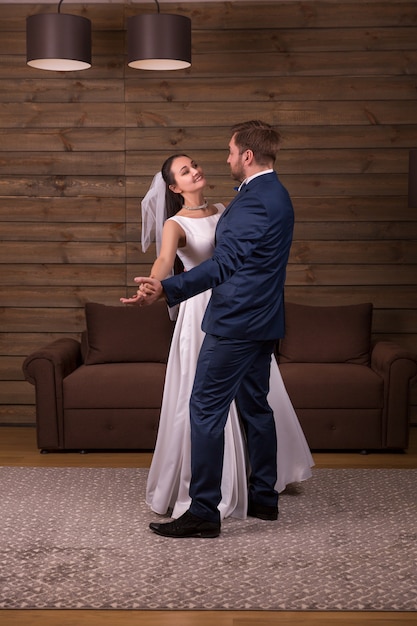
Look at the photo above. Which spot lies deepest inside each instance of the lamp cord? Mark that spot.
(157, 4)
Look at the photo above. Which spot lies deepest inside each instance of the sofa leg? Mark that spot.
(83, 452)
(364, 451)
(43, 451)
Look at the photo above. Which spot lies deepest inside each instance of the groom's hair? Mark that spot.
(258, 136)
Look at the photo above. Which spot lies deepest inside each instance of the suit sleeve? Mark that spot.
(239, 233)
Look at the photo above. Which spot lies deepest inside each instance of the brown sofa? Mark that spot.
(105, 391)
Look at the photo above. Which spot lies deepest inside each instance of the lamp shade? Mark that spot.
(58, 41)
(159, 42)
(412, 179)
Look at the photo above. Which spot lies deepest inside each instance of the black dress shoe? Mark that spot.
(188, 525)
(268, 513)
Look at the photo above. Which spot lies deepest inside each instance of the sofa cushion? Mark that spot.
(115, 386)
(327, 334)
(126, 334)
(333, 386)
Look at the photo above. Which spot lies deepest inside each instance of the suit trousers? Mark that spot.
(229, 369)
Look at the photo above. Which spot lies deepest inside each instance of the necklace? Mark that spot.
(195, 208)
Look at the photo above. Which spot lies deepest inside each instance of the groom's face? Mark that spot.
(236, 161)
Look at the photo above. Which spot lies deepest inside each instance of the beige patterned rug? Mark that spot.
(78, 539)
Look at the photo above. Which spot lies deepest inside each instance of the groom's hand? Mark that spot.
(150, 288)
(149, 291)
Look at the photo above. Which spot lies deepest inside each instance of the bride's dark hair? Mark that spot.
(173, 201)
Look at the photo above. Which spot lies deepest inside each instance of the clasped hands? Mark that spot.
(149, 291)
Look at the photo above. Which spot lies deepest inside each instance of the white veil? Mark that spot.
(154, 214)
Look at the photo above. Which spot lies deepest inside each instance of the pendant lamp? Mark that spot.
(412, 179)
(59, 42)
(159, 41)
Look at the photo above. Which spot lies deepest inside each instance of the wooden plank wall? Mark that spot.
(78, 151)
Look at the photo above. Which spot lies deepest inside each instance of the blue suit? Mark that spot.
(243, 320)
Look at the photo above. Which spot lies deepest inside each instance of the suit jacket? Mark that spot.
(247, 270)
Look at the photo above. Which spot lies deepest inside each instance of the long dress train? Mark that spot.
(169, 474)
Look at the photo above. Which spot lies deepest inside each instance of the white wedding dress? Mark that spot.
(169, 474)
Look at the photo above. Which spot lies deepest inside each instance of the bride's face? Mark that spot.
(188, 176)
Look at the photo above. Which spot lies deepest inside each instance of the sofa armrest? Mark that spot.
(385, 353)
(46, 368)
(398, 368)
(63, 354)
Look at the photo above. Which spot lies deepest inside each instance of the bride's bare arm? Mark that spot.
(173, 237)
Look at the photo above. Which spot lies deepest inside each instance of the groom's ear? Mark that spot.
(248, 157)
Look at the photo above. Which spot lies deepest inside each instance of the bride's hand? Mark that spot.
(150, 289)
(138, 298)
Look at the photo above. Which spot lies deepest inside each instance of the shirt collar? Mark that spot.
(249, 178)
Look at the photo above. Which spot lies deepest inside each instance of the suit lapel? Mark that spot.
(232, 202)
(243, 190)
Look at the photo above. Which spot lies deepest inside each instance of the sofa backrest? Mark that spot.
(124, 334)
(327, 334)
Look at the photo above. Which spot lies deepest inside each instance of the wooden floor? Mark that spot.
(18, 448)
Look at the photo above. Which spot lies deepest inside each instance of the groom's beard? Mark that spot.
(238, 173)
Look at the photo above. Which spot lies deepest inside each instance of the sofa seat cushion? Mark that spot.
(115, 385)
(332, 385)
(327, 334)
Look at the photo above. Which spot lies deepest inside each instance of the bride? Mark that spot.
(176, 215)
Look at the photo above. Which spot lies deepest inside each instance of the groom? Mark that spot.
(244, 318)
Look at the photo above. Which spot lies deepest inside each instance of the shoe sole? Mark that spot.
(265, 518)
(200, 535)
